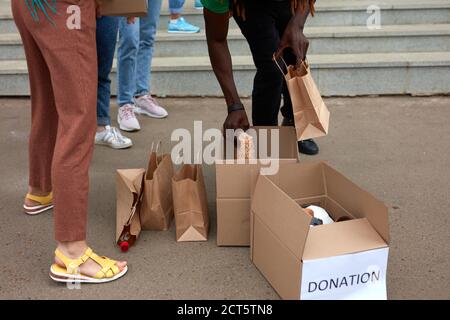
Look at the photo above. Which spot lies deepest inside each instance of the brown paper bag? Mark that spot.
(190, 204)
(129, 184)
(311, 115)
(125, 8)
(157, 205)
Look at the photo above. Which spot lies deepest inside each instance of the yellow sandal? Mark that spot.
(45, 204)
(109, 272)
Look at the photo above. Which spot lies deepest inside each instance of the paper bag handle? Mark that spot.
(278, 65)
(285, 64)
(156, 150)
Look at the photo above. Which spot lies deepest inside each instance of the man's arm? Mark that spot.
(216, 26)
(293, 36)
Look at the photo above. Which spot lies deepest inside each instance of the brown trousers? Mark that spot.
(62, 66)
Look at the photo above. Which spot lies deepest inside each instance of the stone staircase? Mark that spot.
(409, 54)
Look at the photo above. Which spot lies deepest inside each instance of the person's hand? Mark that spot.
(131, 20)
(236, 120)
(293, 38)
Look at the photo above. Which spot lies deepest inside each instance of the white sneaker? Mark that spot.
(127, 119)
(112, 137)
(148, 106)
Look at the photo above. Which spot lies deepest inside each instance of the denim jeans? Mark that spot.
(176, 6)
(136, 43)
(263, 28)
(106, 45)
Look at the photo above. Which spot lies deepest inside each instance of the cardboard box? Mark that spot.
(124, 8)
(342, 260)
(235, 183)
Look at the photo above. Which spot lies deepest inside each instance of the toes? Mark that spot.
(121, 264)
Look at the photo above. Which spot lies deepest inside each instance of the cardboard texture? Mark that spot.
(190, 204)
(235, 183)
(129, 184)
(157, 206)
(351, 255)
(125, 8)
(311, 115)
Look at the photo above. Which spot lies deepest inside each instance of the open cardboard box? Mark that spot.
(342, 260)
(235, 183)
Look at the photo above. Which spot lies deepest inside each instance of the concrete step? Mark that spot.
(416, 73)
(355, 12)
(329, 13)
(323, 40)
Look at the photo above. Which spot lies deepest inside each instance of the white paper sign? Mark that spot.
(358, 276)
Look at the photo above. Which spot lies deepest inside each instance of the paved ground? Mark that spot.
(396, 147)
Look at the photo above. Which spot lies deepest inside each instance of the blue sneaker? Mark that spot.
(198, 5)
(181, 26)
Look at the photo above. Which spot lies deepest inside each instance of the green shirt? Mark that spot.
(217, 6)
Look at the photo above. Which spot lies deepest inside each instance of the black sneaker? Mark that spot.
(308, 147)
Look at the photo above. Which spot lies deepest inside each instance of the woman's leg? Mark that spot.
(126, 61)
(175, 8)
(106, 35)
(147, 30)
(145, 104)
(177, 24)
(70, 56)
(44, 119)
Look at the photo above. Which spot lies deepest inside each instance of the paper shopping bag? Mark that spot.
(190, 204)
(129, 186)
(125, 8)
(157, 206)
(311, 115)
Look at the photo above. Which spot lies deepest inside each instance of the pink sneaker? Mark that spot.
(148, 106)
(127, 119)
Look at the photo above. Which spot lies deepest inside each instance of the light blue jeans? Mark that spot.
(176, 6)
(135, 53)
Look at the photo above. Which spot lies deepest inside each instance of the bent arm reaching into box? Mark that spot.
(216, 25)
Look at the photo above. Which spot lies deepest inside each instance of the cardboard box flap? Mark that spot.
(300, 181)
(341, 238)
(282, 215)
(357, 201)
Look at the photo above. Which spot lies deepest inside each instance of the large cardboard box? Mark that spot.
(125, 8)
(235, 182)
(342, 260)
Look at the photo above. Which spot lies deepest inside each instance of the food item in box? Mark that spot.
(319, 214)
(246, 147)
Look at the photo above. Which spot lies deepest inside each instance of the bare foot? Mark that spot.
(74, 250)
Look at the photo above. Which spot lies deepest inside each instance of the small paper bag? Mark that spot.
(190, 204)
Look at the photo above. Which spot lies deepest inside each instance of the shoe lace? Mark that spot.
(117, 135)
(149, 98)
(127, 112)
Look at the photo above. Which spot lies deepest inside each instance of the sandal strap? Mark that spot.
(44, 200)
(108, 266)
(72, 265)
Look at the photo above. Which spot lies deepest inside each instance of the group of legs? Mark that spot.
(134, 56)
(64, 126)
(69, 73)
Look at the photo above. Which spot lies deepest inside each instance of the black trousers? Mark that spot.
(263, 26)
